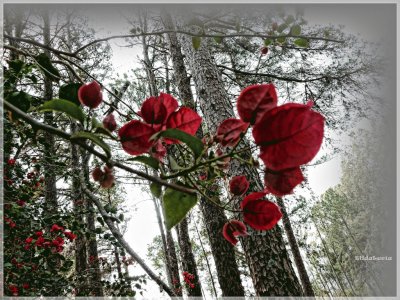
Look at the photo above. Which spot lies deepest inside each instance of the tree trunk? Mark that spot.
(81, 265)
(223, 252)
(305, 280)
(49, 144)
(187, 257)
(173, 261)
(266, 255)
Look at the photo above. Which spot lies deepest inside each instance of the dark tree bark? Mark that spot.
(173, 261)
(49, 144)
(266, 255)
(223, 252)
(95, 285)
(187, 257)
(305, 280)
(81, 265)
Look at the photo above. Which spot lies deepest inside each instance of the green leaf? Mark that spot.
(45, 65)
(195, 144)
(295, 30)
(94, 138)
(16, 65)
(70, 92)
(196, 41)
(173, 164)
(290, 19)
(281, 39)
(147, 160)
(282, 27)
(155, 189)
(20, 100)
(64, 106)
(218, 39)
(267, 42)
(302, 42)
(176, 205)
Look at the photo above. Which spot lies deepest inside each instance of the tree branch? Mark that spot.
(259, 35)
(117, 234)
(38, 125)
(292, 79)
(35, 43)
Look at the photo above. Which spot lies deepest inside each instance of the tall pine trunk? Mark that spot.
(305, 280)
(266, 255)
(223, 252)
(81, 263)
(49, 144)
(96, 288)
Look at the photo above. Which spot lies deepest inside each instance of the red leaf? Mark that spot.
(90, 94)
(169, 103)
(228, 132)
(156, 110)
(281, 183)
(232, 229)
(135, 137)
(260, 214)
(239, 185)
(153, 111)
(289, 135)
(109, 122)
(255, 100)
(185, 119)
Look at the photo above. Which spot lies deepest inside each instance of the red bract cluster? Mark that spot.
(289, 135)
(158, 113)
(56, 243)
(188, 278)
(104, 177)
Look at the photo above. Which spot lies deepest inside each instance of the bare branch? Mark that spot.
(117, 234)
(35, 43)
(259, 35)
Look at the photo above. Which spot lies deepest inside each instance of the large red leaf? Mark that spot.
(153, 111)
(259, 213)
(184, 119)
(255, 100)
(289, 135)
(169, 103)
(229, 131)
(232, 229)
(135, 137)
(281, 183)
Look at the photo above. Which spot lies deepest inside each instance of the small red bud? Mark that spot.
(97, 174)
(90, 94)
(264, 50)
(109, 122)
